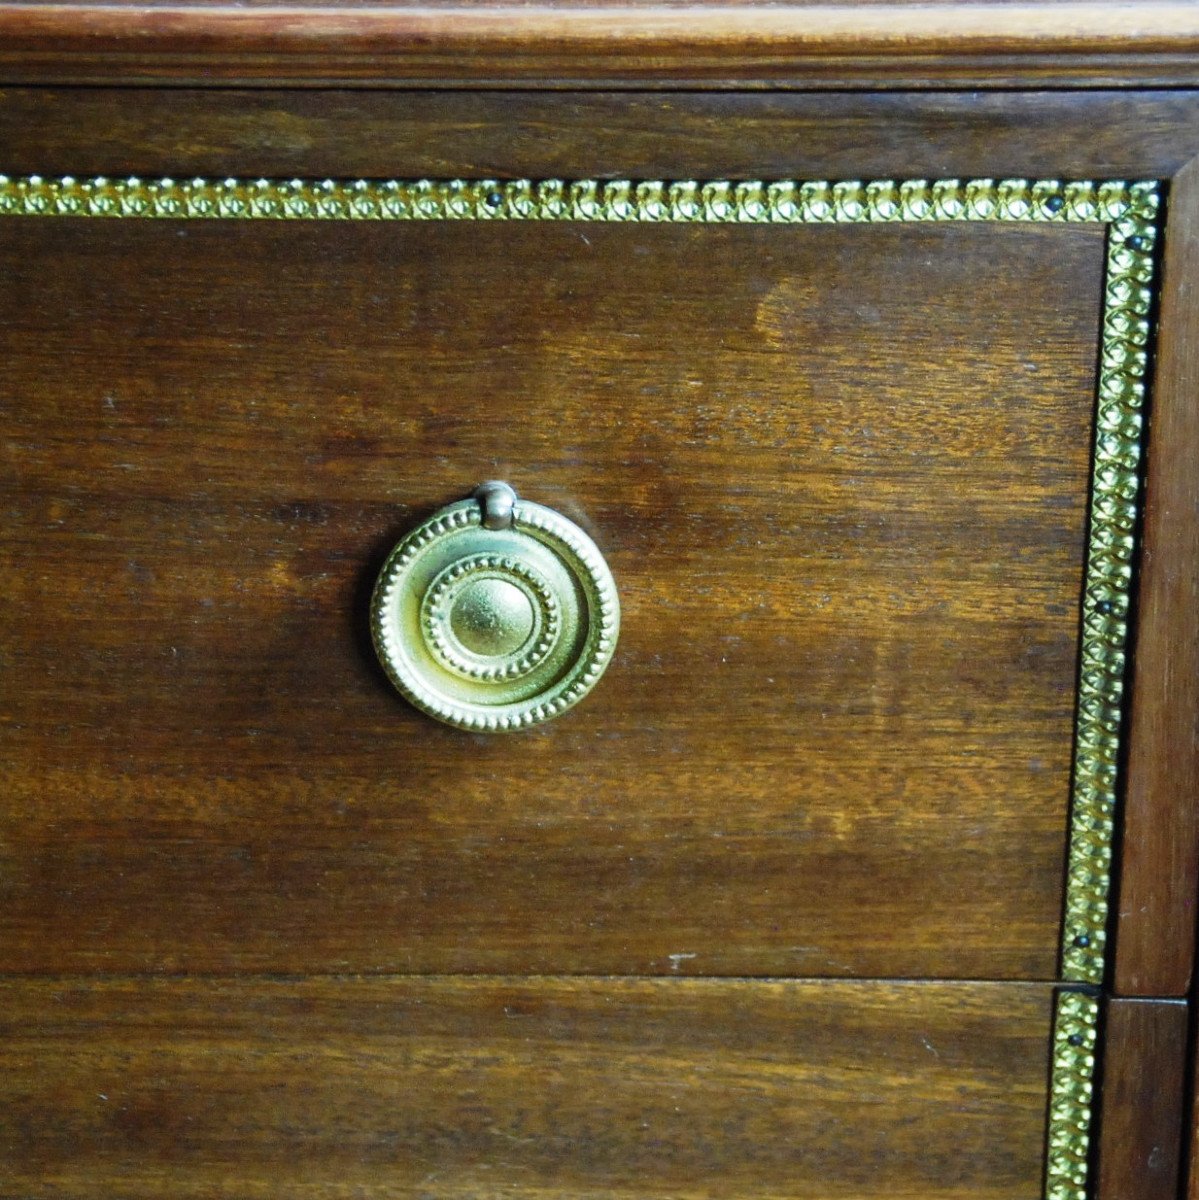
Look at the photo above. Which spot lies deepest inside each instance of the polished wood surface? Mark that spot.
(1063, 43)
(1142, 1103)
(346, 134)
(1190, 1136)
(521, 1088)
(213, 434)
(840, 475)
(1159, 881)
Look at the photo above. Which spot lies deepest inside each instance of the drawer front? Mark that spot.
(838, 461)
(481, 1088)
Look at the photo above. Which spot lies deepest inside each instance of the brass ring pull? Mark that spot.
(495, 614)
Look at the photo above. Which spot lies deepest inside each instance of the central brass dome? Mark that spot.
(492, 617)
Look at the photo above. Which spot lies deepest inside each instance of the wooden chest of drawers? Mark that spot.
(846, 378)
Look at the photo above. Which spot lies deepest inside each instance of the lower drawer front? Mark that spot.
(462, 1088)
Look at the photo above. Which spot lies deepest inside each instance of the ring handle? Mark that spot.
(495, 614)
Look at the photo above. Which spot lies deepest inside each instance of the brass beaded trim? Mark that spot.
(747, 201)
(1115, 503)
(1130, 212)
(1128, 209)
(1071, 1096)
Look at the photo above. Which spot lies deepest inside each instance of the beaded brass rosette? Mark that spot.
(495, 630)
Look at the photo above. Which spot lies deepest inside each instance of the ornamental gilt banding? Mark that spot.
(1071, 1096)
(1128, 210)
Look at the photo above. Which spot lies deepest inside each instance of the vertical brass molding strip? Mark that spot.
(1115, 500)
(1071, 1096)
(1130, 213)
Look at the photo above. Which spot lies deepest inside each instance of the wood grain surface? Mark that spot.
(342, 133)
(1063, 43)
(520, 1088)
(839, 473)
(1142, 1103)
(1155, 942)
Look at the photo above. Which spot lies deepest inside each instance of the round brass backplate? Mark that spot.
(495, 629)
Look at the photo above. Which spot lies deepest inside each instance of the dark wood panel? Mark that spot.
(542, 1088)
(1190, 1136)
(1141, 1107)
(1160, 862)
(125, 131)
(832, 45)
(840, 475)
